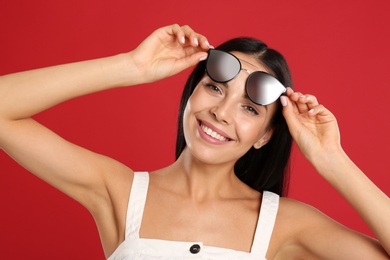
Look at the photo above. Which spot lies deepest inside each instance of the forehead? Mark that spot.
(251, 63)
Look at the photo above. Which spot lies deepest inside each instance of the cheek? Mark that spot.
(188, 114)
(191, 109)
(251, 131)
(260, 127)
(198, 100)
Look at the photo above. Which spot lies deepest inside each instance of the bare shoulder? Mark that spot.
(291, 219)
(290, 209)
(302, 231)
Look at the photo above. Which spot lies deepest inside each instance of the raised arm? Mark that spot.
(165, 52)
(315, 130)
(94, 180)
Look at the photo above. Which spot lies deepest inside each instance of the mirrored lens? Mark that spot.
(263, 89)
(222, 66)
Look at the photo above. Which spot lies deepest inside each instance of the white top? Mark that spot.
(136, 248)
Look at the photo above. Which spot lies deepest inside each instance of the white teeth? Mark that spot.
(213, 134)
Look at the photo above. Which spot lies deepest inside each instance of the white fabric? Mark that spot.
(136, 248)
(266, 222)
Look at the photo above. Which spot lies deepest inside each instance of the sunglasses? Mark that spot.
(261, 87)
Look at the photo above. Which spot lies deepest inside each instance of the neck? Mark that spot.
(203, 181)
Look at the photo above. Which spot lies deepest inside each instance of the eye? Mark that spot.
(251, 110)
(213, 88)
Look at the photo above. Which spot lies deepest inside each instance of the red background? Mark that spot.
(337, 50)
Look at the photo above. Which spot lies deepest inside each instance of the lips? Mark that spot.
(212, 132)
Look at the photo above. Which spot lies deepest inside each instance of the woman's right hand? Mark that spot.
(168, 51)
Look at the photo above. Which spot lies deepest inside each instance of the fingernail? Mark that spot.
(203, 58)
(207, 43)
(183, 39)
(283, 100)
(196, 41)
(311, 111)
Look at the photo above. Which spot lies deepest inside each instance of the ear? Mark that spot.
(264, 139)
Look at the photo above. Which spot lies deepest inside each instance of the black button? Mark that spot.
(194, 249)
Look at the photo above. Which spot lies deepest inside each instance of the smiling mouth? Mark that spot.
(208, 131)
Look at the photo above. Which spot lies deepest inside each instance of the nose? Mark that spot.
(223, 112)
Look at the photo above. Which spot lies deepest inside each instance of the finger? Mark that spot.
(195, 39)
(292, 119)
(300, 101)
(289, 111)
(190, 36)
(176, 30)
(289, 91)
(318, 110)
(185, 35)
(203, 42)
(189, 60)
(311, 101)
(305, 102)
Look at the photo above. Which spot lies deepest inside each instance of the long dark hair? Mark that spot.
(266, 168)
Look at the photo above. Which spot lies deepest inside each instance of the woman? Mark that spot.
(198, 207)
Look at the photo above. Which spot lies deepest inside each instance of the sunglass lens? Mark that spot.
(263, 89)
(222, 66)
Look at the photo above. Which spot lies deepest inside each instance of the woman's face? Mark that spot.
(220, 123)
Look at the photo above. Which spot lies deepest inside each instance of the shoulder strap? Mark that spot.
(265, 223)
(136, 204)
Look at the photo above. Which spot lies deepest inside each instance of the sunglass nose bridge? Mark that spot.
(246, 70)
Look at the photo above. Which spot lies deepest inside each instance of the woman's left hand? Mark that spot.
(313, 127)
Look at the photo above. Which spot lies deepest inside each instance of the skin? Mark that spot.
(198, 196)
(225, 107)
